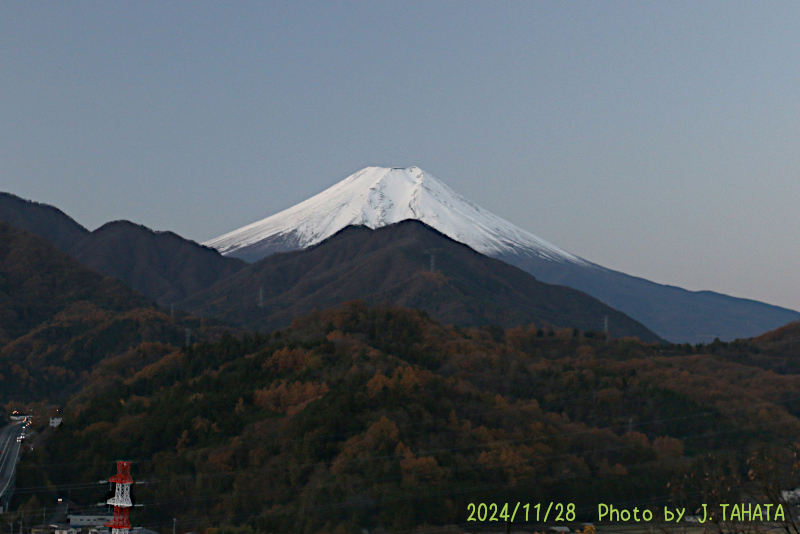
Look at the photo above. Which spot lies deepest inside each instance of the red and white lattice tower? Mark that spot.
(122, 499)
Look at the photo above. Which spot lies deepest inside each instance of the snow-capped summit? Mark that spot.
(379, 196)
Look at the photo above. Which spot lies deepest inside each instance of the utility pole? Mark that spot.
(174, 524)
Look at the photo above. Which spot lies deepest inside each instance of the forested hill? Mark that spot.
(48, 222)
(360, 417)
(59, 320)
(161, 265)
(409, 264)
(37, 282)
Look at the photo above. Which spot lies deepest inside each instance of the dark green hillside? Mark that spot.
(392, 265)
(361, 417)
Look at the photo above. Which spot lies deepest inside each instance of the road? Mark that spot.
(9, 456)
(59, 514)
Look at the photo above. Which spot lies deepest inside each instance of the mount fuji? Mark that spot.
(377, 196)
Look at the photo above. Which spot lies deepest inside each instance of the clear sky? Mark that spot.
(661, 139)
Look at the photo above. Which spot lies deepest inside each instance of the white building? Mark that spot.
(791, 496)
(87, 520)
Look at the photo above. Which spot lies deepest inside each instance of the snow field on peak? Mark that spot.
(379, 196)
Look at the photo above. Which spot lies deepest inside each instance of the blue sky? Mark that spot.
(656, 138)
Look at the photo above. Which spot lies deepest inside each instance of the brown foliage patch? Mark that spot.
(289, 398)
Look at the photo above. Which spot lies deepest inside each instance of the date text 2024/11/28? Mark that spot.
(555, 511)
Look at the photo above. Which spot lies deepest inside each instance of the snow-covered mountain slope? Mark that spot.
(379, 196)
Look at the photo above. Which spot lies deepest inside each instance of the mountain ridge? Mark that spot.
(161, 265)
(379, 196)
(680, 315)
(60, 320)
(41, 219)
(393, 264)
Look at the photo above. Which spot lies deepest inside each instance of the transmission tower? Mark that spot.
(122, 499)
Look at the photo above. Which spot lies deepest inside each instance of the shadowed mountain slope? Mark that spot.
(59, 320)
(393, 264)
(43, 220)
(674, 313)
(37, 282)
(161, 265)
